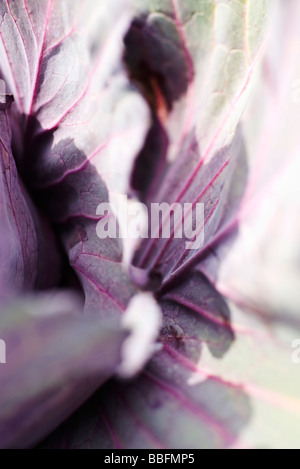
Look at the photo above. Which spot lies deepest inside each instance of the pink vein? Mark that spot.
(218, 131)
(111, 431)
(219, 321)
(180, 262)
(14, 214)
(85, 89)
(105, 292)
(208, 315)
(215, 425)
(74, 170)
(29, 17)
(88, 159)
(40, 59)
(191, 86)
(22, 39)
(139, 423)
(290, 404)
(193, 205)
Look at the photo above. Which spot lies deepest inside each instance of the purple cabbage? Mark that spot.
(116, 343)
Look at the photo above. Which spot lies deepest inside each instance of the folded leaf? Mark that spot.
(168, 406)
(75, 126)
(255, 254)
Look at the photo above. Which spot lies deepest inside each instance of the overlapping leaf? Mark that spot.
(165, 403)
(63, 65)
(55, 359)
(24, 234)
(217, 46)
(210, 414)
(218, 379)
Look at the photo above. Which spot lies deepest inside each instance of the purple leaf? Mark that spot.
(159, 409)
(196, 314)
(103, 103)
(202, 165)
(70, 172)
(24, 233)
(73, 127)
(55, 359)
(253, 259)
(263, 232)
(167, 405)
(209, 186)
(203, 106)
